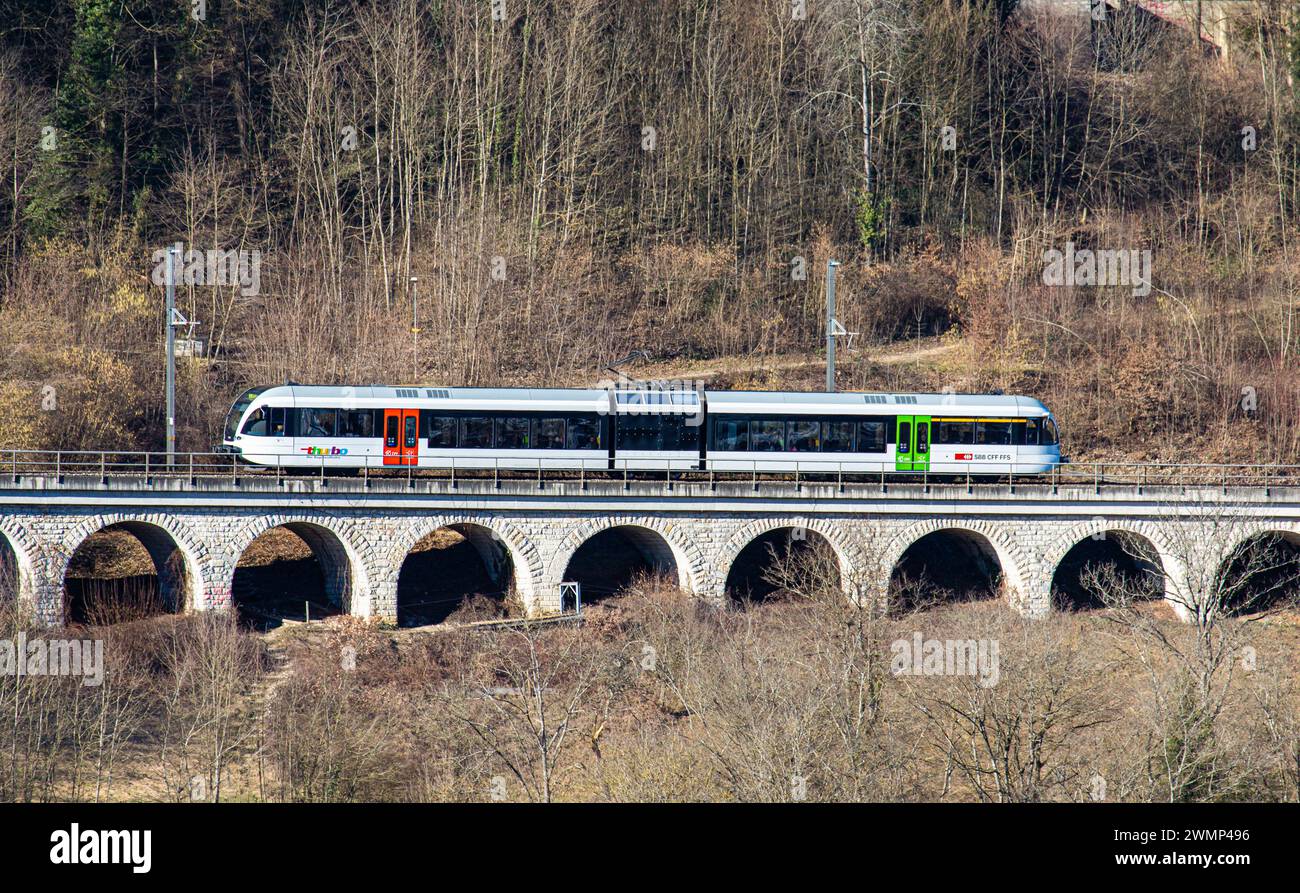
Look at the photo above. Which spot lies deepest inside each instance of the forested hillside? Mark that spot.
(573, 181)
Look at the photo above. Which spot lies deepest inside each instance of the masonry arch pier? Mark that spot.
(18, 576)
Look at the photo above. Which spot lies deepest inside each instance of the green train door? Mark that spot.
(913, 443)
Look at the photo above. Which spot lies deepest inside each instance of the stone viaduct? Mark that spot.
(361, 531)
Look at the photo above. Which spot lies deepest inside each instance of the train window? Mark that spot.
(955, 432)
(255, 425)
(731, 435)
(277, 421)
(803, 436)
(584, 434)
(475, 433)
(871, 436)
(922, 438)
(548, 434)
(993, 433)
(768, 436)
(1031, 432)
(441, 431)
(412, 430)
(687, 434)
(317, 423)
(355, 423)
(904, 438)
(837, 437)
(390, 432)
(1050, 434)
(512, 434)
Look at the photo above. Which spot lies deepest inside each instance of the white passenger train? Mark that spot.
(297, 426)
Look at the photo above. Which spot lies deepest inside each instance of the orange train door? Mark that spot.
(401, 437)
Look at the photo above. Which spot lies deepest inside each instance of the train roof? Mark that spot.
(852, 402)
(842, 402)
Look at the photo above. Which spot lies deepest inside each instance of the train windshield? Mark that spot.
(1049, 431)
(237, 411)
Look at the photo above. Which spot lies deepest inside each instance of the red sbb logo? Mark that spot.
(964, 457)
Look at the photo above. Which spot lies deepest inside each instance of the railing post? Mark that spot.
(103, 475)
(58, 466)
(146, 468)
(191, 469)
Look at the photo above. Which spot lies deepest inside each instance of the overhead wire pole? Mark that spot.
(171, 355)
(415, 328)
(831, 325)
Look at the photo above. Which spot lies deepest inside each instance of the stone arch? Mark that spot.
(490, 537)
(1011, 557)
(847, 551)
(658, 540)
(1170, 566)
(346, 561)
(160, 535)
(27, 558)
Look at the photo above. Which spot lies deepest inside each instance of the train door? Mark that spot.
(921, 447)
(913, 443)
(401, 437)
(903, 444)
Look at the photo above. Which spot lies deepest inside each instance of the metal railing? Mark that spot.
(17, 466)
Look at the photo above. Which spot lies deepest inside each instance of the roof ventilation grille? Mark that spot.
(437, 393)
(407, 392)
(905, 398)
(874, 398)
